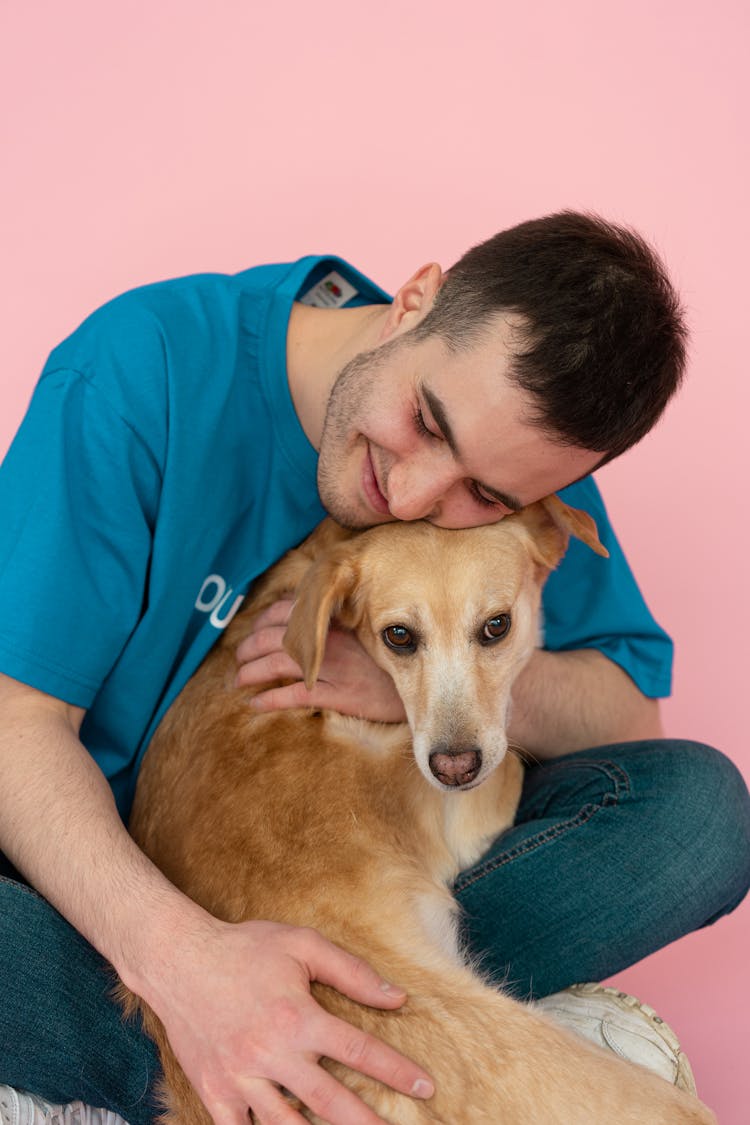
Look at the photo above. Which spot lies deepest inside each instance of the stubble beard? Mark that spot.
(346, 410)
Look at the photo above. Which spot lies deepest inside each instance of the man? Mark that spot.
(169, 456)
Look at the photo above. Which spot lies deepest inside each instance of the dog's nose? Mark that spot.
(455, 767)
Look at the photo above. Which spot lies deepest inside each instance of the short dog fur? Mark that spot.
(358, 829)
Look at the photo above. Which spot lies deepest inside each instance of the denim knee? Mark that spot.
(701, 806)
(691, 807)
(616, 852)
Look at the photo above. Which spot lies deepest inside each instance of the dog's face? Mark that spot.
(453, 626)
(450, 615)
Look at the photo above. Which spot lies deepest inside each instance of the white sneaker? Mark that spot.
(618, 1021)
(17, 1107)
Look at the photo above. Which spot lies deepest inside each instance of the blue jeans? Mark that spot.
(616, 852)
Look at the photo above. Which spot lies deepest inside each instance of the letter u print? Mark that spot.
(216, 619)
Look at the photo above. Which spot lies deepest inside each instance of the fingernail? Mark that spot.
(391, 989)
(422, 1088)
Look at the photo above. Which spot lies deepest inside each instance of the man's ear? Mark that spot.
(551, 522)
(413, 300)
(322, 595)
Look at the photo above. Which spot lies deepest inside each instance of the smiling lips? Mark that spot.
(375, 497)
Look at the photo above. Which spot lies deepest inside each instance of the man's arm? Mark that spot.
(250, 982)
(567, 701)
(562, 701)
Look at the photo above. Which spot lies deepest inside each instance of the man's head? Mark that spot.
(600, 339)
(543, 352)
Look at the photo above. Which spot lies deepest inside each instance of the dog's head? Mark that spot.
(450, 615)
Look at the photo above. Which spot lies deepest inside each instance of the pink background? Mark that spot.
(149, 139)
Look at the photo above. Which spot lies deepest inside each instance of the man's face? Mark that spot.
(415, 431)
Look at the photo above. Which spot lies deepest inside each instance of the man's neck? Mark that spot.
(319, 343)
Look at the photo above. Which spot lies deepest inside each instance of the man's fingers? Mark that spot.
(320, 1092)
(330, 965)
(266, 669)
(269, 1106)
(322, 696)
(260, 642)
(284, 698)
(276, 616)
(368, 1055)
(224, 1112)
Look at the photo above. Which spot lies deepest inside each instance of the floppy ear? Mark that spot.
(321, 596)
(551, 523)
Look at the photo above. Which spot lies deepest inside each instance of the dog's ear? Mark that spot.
(551, 522)
(323, 594)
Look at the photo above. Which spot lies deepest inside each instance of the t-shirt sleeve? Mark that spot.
(78, 493)
(592, 602)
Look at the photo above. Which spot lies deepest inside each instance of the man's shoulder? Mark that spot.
(178, 300)
(189, 320)
(203, 302)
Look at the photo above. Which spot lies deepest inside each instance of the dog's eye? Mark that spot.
(495, 628)
(399, 638)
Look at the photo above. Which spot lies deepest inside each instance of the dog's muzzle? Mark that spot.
(455, 767)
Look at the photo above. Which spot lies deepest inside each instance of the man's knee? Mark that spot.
(698, 808)
(677, 812)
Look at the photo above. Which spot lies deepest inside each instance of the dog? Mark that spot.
(359, 829)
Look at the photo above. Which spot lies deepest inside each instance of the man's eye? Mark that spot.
(487, 501)
(419, 422)
(421, 426)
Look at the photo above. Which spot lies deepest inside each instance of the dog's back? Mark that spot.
(319, 820)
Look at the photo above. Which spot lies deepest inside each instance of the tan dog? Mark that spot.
(325, 821)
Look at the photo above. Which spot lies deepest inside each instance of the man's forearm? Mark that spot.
(567, 701)
(60, 827)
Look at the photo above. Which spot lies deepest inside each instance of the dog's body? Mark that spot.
(320, 820)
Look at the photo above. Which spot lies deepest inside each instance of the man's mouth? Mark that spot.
(371, 488)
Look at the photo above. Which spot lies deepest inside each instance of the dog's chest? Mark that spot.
(457, 835)
(438, 918)
(468, 823)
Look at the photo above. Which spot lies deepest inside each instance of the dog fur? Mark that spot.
(353, 827)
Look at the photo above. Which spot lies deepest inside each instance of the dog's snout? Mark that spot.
(455, 766)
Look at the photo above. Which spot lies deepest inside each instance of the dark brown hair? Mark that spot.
(601, 337)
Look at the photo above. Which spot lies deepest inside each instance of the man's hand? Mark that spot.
(243, 1023)
(349, 681)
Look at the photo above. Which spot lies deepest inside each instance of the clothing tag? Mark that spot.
(331, 292)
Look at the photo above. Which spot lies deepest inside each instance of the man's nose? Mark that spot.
(416, 491)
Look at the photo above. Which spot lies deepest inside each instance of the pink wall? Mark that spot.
(145, 140)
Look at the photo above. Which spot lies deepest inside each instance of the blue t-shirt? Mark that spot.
(161, 467)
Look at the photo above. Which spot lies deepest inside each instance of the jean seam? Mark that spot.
(621, 788)
(24, 887)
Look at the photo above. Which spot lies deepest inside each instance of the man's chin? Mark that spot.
(355, 521)
(354, 517)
